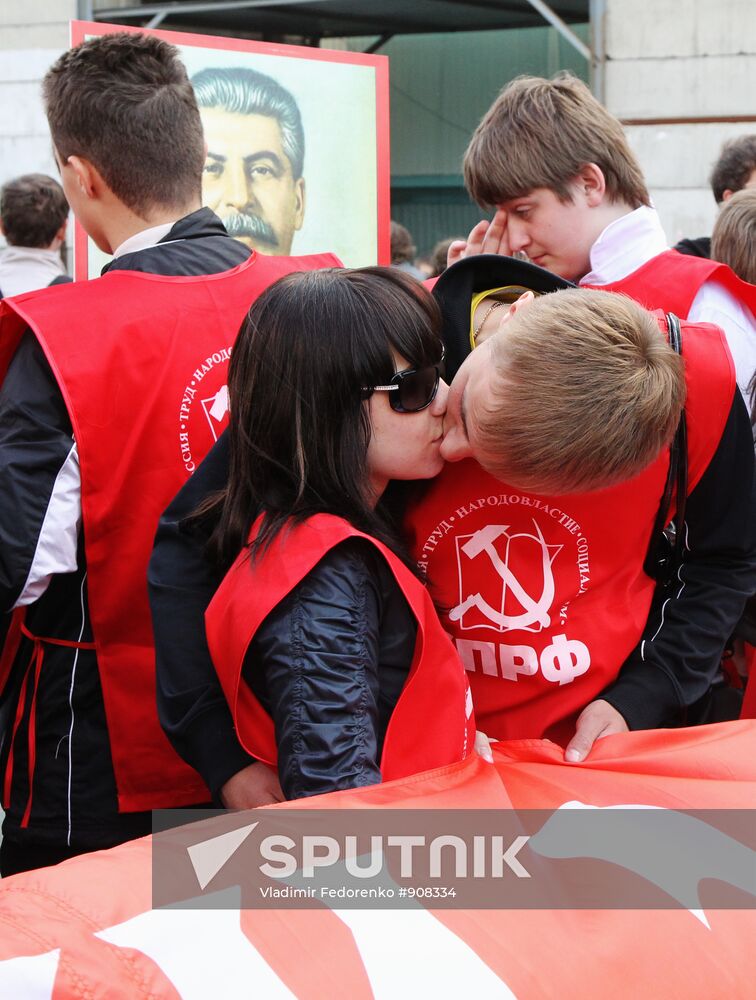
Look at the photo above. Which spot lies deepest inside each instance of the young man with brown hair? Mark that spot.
(570, 194)
(113, 391)
(33, 218)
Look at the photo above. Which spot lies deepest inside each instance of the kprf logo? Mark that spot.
(492, 564)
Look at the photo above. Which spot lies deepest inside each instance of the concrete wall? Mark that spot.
(670, 63)
(679, 72)
(32, 36)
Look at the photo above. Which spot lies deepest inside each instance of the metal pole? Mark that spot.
(378, 43)
(598, 44)
(548, 15)
(195, 7)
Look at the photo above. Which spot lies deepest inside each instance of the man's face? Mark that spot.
(554, 234)
(248, 180)
(469, 395)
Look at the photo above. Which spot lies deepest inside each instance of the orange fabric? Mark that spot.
(536, 954)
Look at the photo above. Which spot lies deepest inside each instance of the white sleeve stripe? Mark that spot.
(59, 535)
(677, 596)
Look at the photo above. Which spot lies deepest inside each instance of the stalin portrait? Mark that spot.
(255, 156)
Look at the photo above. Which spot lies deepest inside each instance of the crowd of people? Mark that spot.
(517, 504)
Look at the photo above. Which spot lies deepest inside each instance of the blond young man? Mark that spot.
(602, 401)
(536, 542)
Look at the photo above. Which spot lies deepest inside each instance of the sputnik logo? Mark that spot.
(489, 541)
(215, 409)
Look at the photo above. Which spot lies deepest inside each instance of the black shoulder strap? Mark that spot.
(660, 565)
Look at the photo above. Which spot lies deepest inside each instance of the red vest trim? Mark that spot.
(547, 595)
(432, 724)
(671, 281)
(141, 361)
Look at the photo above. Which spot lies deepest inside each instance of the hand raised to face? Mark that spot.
(485, 237)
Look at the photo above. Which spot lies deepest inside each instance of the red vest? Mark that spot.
(141, 362)
(432, 724)
(671, 281)
(545, 597)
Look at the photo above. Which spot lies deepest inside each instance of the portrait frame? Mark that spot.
(358, 233)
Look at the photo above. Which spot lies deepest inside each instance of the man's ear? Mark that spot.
(727, 194)
(592, 184)
(524, 300)
(86, 176)
(299, 192)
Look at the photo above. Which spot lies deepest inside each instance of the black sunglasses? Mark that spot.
(412, 389)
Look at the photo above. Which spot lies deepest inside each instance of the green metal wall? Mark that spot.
(441, 86)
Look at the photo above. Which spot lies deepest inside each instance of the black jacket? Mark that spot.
(698, 247)
(328, 664)
(338, 648)
(74, 795)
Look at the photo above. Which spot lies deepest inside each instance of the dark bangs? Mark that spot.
(399, 315)
(299, 430)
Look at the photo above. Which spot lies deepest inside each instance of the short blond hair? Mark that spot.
(541, 133)
(585, 393)
(733, 241)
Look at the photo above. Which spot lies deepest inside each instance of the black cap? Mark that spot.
(458, 284)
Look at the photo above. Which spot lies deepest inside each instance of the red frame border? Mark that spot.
(81, 29)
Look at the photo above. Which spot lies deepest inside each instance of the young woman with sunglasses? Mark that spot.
(326, 643)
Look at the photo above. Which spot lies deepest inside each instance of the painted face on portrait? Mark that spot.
(248, 180)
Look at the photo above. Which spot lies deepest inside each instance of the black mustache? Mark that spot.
(245, 224)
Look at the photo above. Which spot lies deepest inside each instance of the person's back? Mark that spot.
(115, 388)
(33, 217)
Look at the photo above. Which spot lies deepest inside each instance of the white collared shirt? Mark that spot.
(632, 240)
(144, 239)
(57, 544)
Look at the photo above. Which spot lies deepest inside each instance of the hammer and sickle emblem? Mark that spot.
(535, 614)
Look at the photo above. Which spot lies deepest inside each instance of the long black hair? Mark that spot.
(299, 432)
